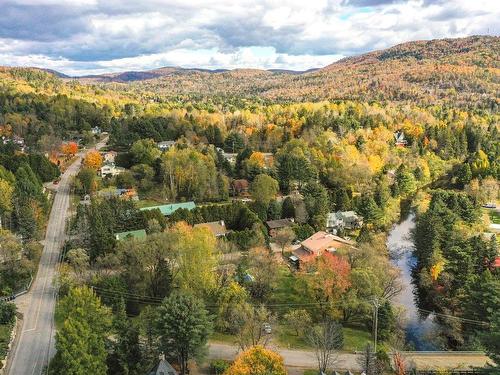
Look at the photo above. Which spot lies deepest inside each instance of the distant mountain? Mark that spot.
(463, 71)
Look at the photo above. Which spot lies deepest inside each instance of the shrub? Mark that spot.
(7, 312)
(218, 366)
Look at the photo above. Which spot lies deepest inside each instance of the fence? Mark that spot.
(18, 293)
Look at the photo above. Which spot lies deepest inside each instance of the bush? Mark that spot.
(218, 366)
(7, 312)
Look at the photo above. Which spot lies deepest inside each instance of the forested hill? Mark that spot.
(462, 72)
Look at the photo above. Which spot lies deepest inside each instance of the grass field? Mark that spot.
(494, 216)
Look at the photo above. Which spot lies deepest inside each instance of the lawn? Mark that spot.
(494, 216)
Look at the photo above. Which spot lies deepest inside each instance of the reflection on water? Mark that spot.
(418, 330)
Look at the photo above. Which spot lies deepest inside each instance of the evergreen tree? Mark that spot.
(287, 209)
(183, 327)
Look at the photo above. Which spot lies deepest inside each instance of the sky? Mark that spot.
(80, 37)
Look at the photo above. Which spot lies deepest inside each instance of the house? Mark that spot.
(341, 220)
(126, 194)
(317, 244)
(135, 234)
(165, 145)
(218, 228)
(110, 169)
(169, 209)
(230, 157)
(274, 225)
(163, 368)
(240, 186)
(109, 157)
(399, 138)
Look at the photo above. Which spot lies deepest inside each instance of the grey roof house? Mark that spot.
(163, 368)
(343, 220)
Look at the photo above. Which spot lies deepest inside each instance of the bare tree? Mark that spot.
(284, 237)
(248, 325)
(326, 339)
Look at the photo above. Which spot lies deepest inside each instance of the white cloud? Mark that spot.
(91, 36)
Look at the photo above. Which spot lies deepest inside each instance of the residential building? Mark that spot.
(163, 368)
(109, 157)
(274, 225)
(165, 145)
(218, 228)
(343, 220)
(399, 138)
(240, 186)
(110, 169)
(169, 209)
(319, 243)
(135, 234)
(230, 157)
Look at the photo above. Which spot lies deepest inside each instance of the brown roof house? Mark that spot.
(274, 225)
(316, 245)
(218, 228)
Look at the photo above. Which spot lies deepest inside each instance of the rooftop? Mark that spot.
(218, 228)
(169, 209)
(135, 234)
(280, 223)
(321, 241)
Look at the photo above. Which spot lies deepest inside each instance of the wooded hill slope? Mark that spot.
(462, 72)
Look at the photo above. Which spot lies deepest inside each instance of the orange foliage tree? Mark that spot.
(69, 148)
(257, 361)
(93, 159)
(331, 280)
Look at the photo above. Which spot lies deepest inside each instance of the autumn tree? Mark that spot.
(247, 324)
(183, 327)
(69, 148)
(257, 361)
(93, 159)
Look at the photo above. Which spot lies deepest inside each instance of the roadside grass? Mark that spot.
(355, 339)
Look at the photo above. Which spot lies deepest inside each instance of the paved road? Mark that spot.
(35, 345)
(305, 359)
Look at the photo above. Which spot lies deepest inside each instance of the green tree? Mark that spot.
(80, 343)
(264, 188)
(288, 209)
(144, 151)
(183, 328)
(86, 181)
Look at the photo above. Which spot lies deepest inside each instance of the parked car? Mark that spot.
(490, 205)
(266, 327)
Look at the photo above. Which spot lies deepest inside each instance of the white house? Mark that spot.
(110, 169)
(343, 220)
(165, 145)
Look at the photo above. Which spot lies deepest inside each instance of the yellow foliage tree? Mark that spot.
(257, 361)
(93, 159)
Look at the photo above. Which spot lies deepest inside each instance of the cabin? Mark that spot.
(274, 225)
(110, 170)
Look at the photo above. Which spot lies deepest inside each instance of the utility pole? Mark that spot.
(376, 305)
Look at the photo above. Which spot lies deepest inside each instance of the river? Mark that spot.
(418, 331)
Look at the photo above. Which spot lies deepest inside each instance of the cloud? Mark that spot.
(80, 36)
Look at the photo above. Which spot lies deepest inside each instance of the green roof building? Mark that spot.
(135, 234)
(169, 209)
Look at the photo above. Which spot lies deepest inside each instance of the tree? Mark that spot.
(183, 328)
(69, 148)
(257, 361)
(144, 151)
(93, 159)
(234, 142)
(80, 343)
(262, 268)
(78, 259)
(287, 209)
(464, 174)
(6, 193)
(298, 320)
(368, 361)
(326, 339)
(264, 188)
(7, 312)
(248, 324)
(86, 181)
(283, 237)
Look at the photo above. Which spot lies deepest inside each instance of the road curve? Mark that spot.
(35, 345)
